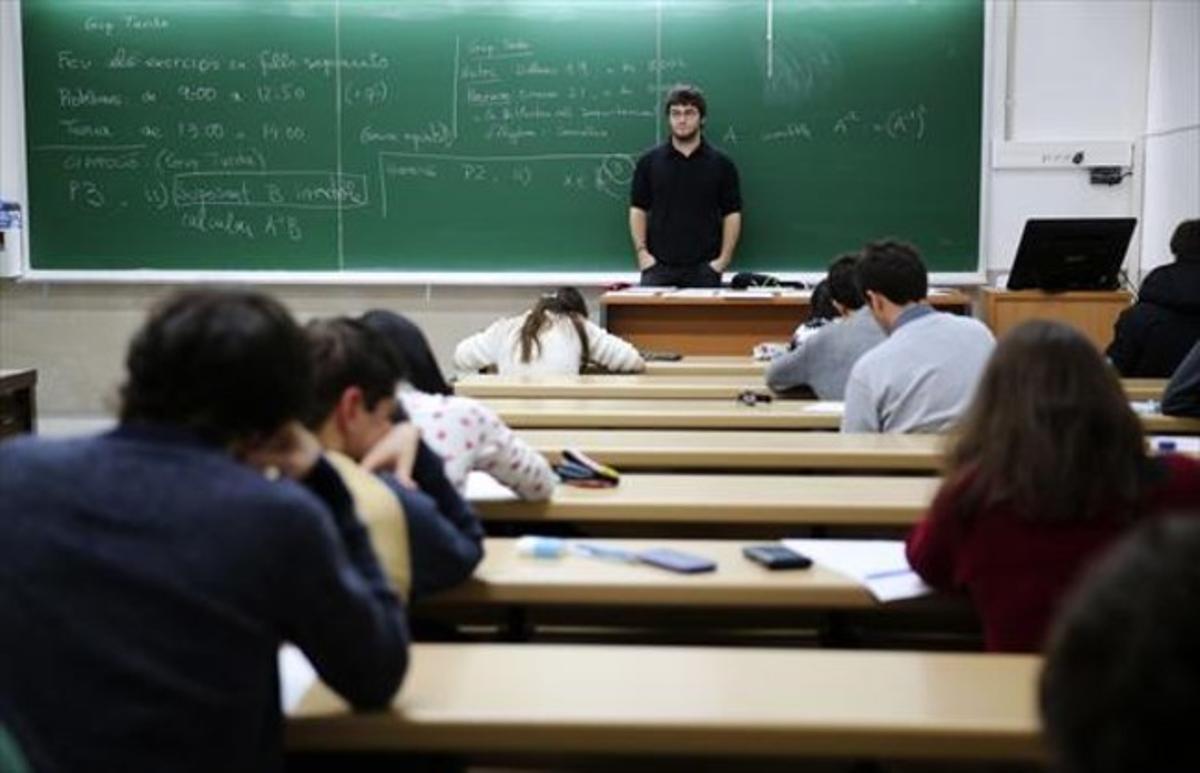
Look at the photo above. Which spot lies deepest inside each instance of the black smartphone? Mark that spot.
(776, 557)
(676, 561)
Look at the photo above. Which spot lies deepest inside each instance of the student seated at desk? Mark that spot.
(921, 377)
(463, 431)
(555, 337)
(1120, 691)
(1152, 336)
(822, 359)
(356, 379)
(1049, 469)
(1182, 395)
(151, 573)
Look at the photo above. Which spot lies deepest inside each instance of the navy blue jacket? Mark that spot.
(146, 582)
(445, 538)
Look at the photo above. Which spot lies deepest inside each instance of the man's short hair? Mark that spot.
(894, 270)
(1120, 689)
(843, 281)
(346, 353)
(1185, 242)
(224, 364)
(686, 95)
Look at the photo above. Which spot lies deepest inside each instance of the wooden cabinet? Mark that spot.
(1093, 313)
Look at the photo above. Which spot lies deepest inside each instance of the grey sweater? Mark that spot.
(921, 378)
(823, 360)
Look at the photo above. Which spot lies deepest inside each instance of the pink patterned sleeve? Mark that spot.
(508, 459)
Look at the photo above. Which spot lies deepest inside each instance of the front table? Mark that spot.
(719, 321)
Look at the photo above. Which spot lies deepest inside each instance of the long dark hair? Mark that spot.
(1050, 431)
(410, 345)
(566, 301)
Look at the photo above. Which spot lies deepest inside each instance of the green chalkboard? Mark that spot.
(412, 135)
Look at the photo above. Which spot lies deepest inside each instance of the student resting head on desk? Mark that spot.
(463, 431)
(426, 534)
(555, 337)
(822, 359)
(1049, 468)
(151, 573)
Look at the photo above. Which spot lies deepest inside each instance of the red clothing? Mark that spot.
(1017, 570)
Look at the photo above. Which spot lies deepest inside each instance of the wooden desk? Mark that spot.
(809, 500)
(666, 414)
(727, 450)
(18, 402)
(611, 386)
(702, 701)
(1092, 313)
(505, 577)
(1170, 425)
(1144, 388)
(710, 365)
(717, 322)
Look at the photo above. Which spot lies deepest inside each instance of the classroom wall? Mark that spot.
(1068, 70)
(1172, 180)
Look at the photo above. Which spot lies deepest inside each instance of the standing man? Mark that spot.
(685, 211)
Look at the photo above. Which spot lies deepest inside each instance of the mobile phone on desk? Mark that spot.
(676, 561)
(662, 356)
(776, 557)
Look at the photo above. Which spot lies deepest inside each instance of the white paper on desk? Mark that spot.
(695, 292)
(1183, 444)
(482, 487)
(756, 293)
(296, 675)
(880, 565)
(826, 408)
(1144, 407)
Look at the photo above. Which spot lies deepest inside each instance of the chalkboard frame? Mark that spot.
(26, 271)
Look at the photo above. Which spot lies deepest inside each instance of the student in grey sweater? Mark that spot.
(822, 361)
(921, 378)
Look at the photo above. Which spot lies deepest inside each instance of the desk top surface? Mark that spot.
(655, 413)
(505, 577)
(743, 449)
(708, 365)
(614, 386)
(692, 700)
(799, 499)
(753, 296)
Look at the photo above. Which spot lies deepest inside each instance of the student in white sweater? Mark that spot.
(464, 432)
(555, 337)
(922, 376)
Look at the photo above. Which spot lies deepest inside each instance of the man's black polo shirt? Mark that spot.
(687, 198)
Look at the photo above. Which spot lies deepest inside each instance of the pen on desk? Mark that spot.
(603, 553)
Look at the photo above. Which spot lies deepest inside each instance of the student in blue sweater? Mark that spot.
(425, 533)
(148, 575)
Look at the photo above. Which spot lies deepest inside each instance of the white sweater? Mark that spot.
(558, 355)
(469, 436)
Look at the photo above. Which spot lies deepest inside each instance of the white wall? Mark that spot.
(1073, 70)
(1070, 69)
(1172, 180)
(12, 163)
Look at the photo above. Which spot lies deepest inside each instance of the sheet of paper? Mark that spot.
(695, 292)
(639, 290)
(1184, 444)
(880, 565)
(296, 675)
(1144, 407)
(826, 408)
(482, 487)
